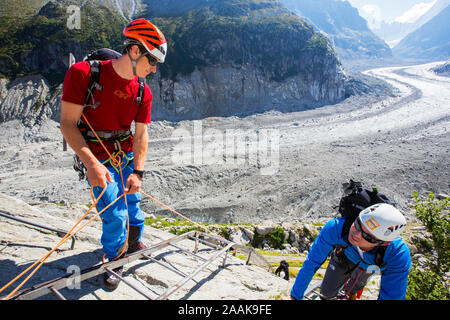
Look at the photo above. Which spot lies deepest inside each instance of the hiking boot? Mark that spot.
(134, 244)
(136, 247)
(111, 281)
(139, 246)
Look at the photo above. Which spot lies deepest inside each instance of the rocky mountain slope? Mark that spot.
(443, 69)
(22, 244)
(40, 42)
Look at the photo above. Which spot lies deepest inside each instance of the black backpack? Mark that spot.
(356, 199)
(94, 59)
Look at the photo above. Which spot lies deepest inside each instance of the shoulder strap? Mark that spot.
(379, 255)
(94, 83)
(141, 90)
(346, 228)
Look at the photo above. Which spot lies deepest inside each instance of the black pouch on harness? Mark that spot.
(79, 167)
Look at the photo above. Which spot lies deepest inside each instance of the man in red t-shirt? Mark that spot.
(111, 111)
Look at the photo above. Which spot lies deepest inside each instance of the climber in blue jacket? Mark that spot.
(370, 245)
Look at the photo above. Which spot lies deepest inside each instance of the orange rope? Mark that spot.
(179, 214)
(117, 161)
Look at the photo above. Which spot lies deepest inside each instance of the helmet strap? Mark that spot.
(134, 62)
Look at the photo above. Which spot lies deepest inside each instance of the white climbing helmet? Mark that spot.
(383, 220)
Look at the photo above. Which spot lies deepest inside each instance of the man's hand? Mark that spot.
(133, 184)
(98, 175)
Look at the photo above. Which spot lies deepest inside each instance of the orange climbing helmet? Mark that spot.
(146, 33)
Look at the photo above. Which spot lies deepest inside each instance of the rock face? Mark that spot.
(22, 244)
(241, 91)
(287, 237)
(28, 99)
(442, 70)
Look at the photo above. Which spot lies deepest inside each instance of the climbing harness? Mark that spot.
(79, 167)
(345, 293)
(125, 160)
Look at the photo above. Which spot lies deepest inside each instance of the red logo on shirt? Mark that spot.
(121, 94)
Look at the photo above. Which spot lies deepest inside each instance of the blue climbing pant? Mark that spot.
(114, 219)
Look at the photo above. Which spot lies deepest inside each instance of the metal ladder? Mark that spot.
(222, 246)
(313, 291)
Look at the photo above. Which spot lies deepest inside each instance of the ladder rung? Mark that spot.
(166, 265)
(188, 252)
(128, 283)
(57, 293)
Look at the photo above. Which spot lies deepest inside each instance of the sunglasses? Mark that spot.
(152, 61)
(364, 234)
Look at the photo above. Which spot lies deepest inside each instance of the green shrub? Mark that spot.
(429, 282)
(425, 285)
(276, 237)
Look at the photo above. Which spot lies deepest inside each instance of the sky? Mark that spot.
(375, 11)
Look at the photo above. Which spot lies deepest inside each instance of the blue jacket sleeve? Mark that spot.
(329, 236)
(394, 280)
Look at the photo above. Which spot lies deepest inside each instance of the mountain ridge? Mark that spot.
(394, 32)
(343, 25)
(430, 42)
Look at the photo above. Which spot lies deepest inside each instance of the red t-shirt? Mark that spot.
(117, 108)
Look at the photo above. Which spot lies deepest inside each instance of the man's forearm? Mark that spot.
(78, 144)
(70, 115)
(140, 147)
